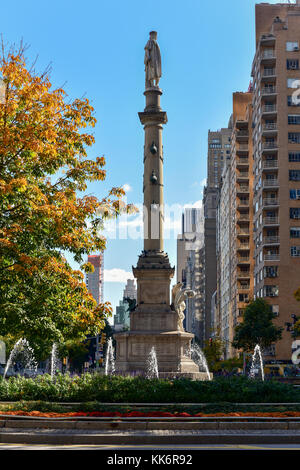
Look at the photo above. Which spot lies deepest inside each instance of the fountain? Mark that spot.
(54, 360)
(152, 367)
(110, 358)
(199, 358)
(257, 364)
(25, 355)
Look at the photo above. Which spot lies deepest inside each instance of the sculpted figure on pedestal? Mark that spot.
(152, 61)
(178, 300)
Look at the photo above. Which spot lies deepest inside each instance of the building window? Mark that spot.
(295, 251)
(275, 310)
(295, 213)
(294, 119)
(271, 291)
(295, 232)
(292, 46)
(294, 156)
(294, 175)
(294, 137)
(293, 100)
(292, 64)
(295, 194)
(293, 83)
(270, 271)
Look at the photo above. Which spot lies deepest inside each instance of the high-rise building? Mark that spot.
(235, 223)
(218, 150)
(122, 316)
(189, 267)
(276, 153)
(95, 280)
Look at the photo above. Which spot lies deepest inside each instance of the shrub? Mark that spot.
(115, 389)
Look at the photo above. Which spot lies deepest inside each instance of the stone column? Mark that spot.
(153, 119)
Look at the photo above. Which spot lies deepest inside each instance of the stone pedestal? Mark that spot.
(155, 323)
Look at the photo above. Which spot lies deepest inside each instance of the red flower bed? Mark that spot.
(151, 414)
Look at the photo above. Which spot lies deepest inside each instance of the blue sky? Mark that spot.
(96, 48)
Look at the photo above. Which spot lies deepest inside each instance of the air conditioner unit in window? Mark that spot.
(296, 48)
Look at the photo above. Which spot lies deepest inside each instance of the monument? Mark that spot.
(154, 322)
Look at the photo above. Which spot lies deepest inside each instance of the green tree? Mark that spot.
(44, 166)
(257, 327)
(213, 350)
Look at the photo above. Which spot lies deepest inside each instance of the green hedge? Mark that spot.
(116, 389)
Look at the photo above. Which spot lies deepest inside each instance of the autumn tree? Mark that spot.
(44, 165)
(257, 327)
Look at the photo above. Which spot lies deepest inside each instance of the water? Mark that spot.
(257, 364)
(23, 356)
(199, 358)
(152, 366)
(54, 360)
(110, 359)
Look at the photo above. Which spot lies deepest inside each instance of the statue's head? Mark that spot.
(153, 35)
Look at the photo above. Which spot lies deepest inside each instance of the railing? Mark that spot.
(268, 90)
(269, 108)
(243, 189)
(243, 147)
(270, 183)
(271, 240)
(269, 72)
(242, 134)
(273, 257)
(243, 232)
(271, 202)
(271, 221)
(270, 127)
(243, 174)
(243, 217)
(244, 246)
(268, 55)
(243, 259)
(243, 161)
(269, 145)
(243, 203)
(270, 164)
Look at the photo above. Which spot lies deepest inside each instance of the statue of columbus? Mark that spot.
(152, 61)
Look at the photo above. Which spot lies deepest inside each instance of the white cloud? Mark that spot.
(117, 275)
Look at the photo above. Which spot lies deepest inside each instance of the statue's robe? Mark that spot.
(152, 60)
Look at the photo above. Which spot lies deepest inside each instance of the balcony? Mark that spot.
(242, 135)
(269, 74)
(242, 175)
(242, 162)
(268, 91)
(243, 204)
(269, 111)
(242, 189)
(272, 257)
(271, 221)
(268, 164)
(243, 232)
(242, 149)
(243, 274)
(270, 202)
(243, 218)
(267, 40)
(269, 129)
(268, 57)
(243, 260)
(271, 183)
(275, 240)
(243, 246)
